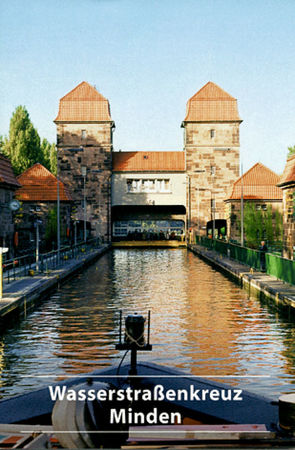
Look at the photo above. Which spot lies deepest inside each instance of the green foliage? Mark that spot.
(252, 224)
(49, 155)
(53, 159)
(51, 229)
(1, 144)
(267, 220)
(262, 225)
(23, 146)
(278, 226)
(291, 151)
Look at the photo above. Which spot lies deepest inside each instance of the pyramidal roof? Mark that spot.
(211, 92)
(212, 104)
(39, 184)
(83, 104)
(259, 183)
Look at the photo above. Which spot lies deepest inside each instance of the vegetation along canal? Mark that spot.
(201, 322)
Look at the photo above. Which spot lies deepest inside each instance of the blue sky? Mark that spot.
(148, 57)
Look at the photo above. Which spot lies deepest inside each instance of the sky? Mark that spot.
(148, 57)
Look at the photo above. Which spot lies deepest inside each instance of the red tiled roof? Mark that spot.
(212, 104)
(288, 176)
(7, 176)
(40, 185)
(259, 183)
(143, 161)
(83, 104)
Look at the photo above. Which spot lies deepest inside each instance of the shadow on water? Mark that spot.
(201, 322)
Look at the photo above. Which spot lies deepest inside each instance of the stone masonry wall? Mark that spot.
(212, 164)
(95, 140)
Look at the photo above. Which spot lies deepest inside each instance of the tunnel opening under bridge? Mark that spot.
(149, 224)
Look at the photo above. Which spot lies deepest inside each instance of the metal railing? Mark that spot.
(23, 266)
(281, 268)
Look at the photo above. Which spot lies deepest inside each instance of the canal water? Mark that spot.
(201, 322)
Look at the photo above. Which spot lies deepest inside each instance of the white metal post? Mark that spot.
(2, 250)
(37, 245)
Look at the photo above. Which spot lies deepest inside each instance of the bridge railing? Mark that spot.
(281, 268)
(23, 266)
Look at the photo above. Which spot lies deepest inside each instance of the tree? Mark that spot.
(268, 225)
(278, 226)
(53, 159)
(291, 151)
(51, 227)
(23, 146)
(252, 224)
(262, 225)
(49, 155)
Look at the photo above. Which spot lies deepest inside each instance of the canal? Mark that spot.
(201, 322)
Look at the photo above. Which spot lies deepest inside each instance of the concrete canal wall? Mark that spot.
(267, 286)
(21, 295)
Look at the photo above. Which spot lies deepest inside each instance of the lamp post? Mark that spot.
(242, 207)
(213, 201)
(189, 203)
(198, 189)
(189, 198)
(83, 172)
(58, 209)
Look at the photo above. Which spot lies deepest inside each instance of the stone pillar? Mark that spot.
(211, 143)
(84, 138)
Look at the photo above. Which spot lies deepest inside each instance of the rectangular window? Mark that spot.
(83, 134)
(133, 185)
(212, 134)
(212, 170)
(163, 185)
(148, 185)
(258, 207)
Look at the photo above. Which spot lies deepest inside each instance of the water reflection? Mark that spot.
(201, 322)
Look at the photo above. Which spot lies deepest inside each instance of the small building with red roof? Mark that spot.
(38, 198)
(8, 186)
(257, 186)
(287, 184)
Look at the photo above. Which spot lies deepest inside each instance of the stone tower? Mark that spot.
(211, 143)
(84, 139)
